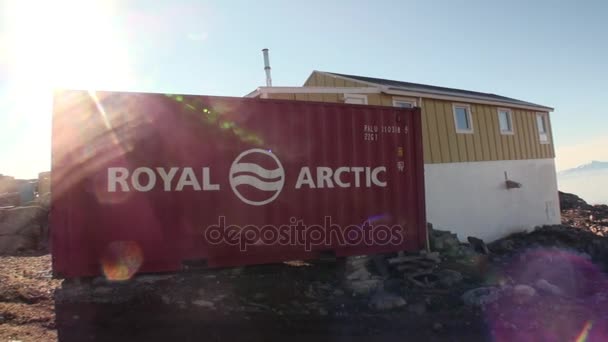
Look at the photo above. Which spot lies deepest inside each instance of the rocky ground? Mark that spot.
(549, 284)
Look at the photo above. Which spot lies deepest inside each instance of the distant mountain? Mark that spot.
(590, 181)
(593, 166)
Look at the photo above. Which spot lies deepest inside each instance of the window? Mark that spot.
(462, 118)
(505, 121)
(404, 103)
(355, 99)
(542, 125)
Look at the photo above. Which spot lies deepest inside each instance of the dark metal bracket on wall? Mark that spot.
(510, 183)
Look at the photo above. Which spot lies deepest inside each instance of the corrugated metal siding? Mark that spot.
(442, 144)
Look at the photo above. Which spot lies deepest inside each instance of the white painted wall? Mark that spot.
(471, 199)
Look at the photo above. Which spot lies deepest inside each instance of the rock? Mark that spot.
(323, 312)
(434, 256)
(383, 301)
(404, 259)
(506, 245)
(356, 262)
(547, 287)
(478, 245)
(22, 228)
(418, 308)
(449, 278)
(360, 274)
(102, 290)
(571, 201)
(150, 279)
(443, 240)
(380, 266)
(523, 293)
(204, 303)
(437, 326)
(338, 292)
(481, 296)
(364, 287)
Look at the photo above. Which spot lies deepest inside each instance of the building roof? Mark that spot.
(435, 90)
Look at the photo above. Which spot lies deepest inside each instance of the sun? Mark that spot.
(67, 43)
(48, 45)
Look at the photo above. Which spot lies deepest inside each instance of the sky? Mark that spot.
(549, 52)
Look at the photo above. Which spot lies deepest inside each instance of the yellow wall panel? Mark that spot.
(441, 143)
(426, 143)
(374, 99)
(477, 129)
(386, 100)
(446, 132)
(434, 134)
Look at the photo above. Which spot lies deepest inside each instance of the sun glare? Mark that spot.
(67, 44)
(49, 45)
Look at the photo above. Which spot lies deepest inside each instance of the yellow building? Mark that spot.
(473, 143)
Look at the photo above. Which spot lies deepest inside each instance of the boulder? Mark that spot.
(478, 245)
(523, 293)
(383, 301)
(22, 228)
(364, 287)
(546, 287)
(481, 296)
(572, 201)
(449, 278)
(442, 240)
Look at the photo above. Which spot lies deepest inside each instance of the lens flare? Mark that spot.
(567, 295)
(121, 260)
(582, 337)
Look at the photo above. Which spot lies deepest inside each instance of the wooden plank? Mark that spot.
(374, 99)
(491, 135)
(435, 142)
(478, 156)
(513, 144)
(504, 139)
(315, 97)
(455, 155)
(483, 134)
(522, 133)
(302, 97)
(531, 121)
(284, 96)
(551, 152)
(338, 82)
(386, 100)
(331, 98)
(320, 80)
(500, 153)
(426, 143)
(461, 140)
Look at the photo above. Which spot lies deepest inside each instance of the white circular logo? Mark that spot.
(257, 176)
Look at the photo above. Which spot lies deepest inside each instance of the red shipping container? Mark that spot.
(144, 182)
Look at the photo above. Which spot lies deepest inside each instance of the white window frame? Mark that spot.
(355, 96)
(397, 100)
(510, 115)
(543, 137)
(469, 115)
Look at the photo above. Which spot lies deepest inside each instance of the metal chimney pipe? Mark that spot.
(267, 68)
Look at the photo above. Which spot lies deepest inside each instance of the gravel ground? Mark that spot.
(27, 306)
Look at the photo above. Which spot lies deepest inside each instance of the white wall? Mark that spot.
(471, 199)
